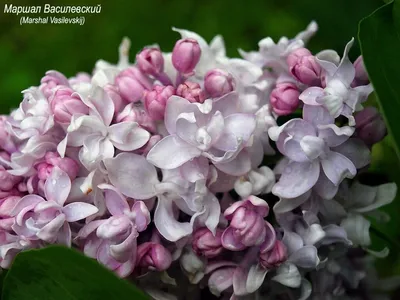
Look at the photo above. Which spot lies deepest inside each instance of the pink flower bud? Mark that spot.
(361, 77)
(218, 82)
(206, 244)
(64, 104)
(131, 84)
(274, 257)
(284, 98)
(7, 181)
(150, 61)
(50, 81)
(52, 159)
(156, 100)
(153, 256)
(304, 67)
(186, 55)
(191, 91)
(370, 126)
(135, 113)
(113, 93)
(247, 225)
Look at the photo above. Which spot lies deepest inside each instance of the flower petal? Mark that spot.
(355, 150)
(297, 179)
(167, 225)
(255, 278)
(288, 275)
(220, 280)
(310, 95)
(133, 175)
(337, 167)
(50, 231)
(115, 201)
(78, 210)
(171, 152)
(57, 186)
(101, 104)
(128, 136)
(240, 165)
(142, 215)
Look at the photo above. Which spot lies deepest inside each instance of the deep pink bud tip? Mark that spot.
(186, 55)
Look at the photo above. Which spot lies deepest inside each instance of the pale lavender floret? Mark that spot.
(135, 177)
(214, 130)
(95, 134)
(315, 147)
(113, 241)
(272, 56)
(48, 219)
(338, 96)
(207, 244)
(33, 117)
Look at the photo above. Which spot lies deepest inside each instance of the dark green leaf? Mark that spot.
(379, 38)
(60, 273)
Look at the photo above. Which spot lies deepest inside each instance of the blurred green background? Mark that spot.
(28, 51)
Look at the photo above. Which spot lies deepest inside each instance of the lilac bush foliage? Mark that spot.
(179, 167)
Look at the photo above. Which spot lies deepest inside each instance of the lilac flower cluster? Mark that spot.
(165, 170)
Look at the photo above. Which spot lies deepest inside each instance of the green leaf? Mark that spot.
(63, 274)
(379, 38)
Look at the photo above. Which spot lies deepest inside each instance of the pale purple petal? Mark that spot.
(78, 210)
(128, 136)
(28, 202)
(286, 205)
(64, 236)
(133, 175)
(175, 106)
(310, 95)
(337, 167)
(57, 186)
(324, 187)
(89, 228)
(195, 169)
(83, 126)
(292, 241)
(240, 165)
(334, 135)
(312, 146)
(317, 115)
(239, 281)
(306, 257)
(95, 148)
(355, 150)
(297, 179)
(220, 280)
(49, 232)
(255, 278)
(230, 241)
(346, 71)
(142, 215)
(124, 251)
(167, 225)
(172, 152)
(115, 201)
(113, 227)
(101, 104)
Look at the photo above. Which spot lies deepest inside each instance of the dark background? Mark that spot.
(28, 51)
